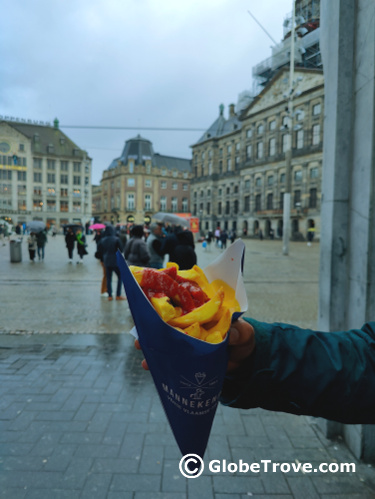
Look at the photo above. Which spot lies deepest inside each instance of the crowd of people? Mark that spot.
(145, 247)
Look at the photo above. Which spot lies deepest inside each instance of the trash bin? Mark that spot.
(15, 250)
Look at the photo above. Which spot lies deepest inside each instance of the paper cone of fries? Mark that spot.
(188, 373)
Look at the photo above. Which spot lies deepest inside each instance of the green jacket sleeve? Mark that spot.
(330, 375)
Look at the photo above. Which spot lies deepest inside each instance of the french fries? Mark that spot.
(188, 302)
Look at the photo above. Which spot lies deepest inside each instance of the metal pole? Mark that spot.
(288, 152)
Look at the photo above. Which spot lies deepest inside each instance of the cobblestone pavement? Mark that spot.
(80, 418)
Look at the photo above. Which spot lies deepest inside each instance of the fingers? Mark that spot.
(144, 363)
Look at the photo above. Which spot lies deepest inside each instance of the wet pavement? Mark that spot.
(80, 418)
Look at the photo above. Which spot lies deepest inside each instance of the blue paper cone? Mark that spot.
(188, 373)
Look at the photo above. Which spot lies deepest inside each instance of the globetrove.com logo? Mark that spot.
(192, 466)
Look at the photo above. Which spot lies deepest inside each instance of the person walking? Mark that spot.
(154, 241)
(70, 240)
(107, 248)
(99, 234)
(31, 242)
(180, 247)
(223, 239)
(136, 251)
(41, 241)
(81, 245)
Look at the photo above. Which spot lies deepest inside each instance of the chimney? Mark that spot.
(231, 111)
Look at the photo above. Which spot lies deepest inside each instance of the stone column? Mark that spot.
(347, 255)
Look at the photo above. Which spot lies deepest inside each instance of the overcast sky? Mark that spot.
(131, 63)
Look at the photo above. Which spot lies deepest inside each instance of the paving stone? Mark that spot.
(84, 418)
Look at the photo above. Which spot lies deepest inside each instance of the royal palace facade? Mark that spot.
(239, 164)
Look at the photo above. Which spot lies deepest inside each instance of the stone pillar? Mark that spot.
(347, 255)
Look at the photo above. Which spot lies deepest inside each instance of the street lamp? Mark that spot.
(288, 152)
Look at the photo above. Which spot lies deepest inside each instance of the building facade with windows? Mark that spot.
(239, 164)
(43, 175)
(140, 183)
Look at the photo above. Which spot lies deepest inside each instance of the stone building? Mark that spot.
(140, 183)
(44, 175)
(239, 166)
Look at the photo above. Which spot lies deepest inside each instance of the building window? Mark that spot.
(316, 135)
(175, 186)
(37, 191)
(174, 205)
(64, 166)
(77, 193)
(130, 201)
(247, 184)
(51, 178)
(37, 163)
(77, 167)
(22, 205)
(174, 173)
(64, 206)
(131, 182)
(249, 133)
(272, 125)
(63, 193)
(77, 180)
(164, 172)
(21, 176)
(185, 205)
(298, 175)
(260, 150)
(258, 199)
(270, 201)
(148, 182)
(185, 187)
(227, 207)
(246, 203)
(50, 164)
(51, 191)
(21, 190)
(316, 109)
(297, 199)
(219, 208)
(235, 206)
(313, 198)
(77, 206)
(131, 167)
(272, 147)
(51, 205)
(270, 180)
(248, 152)
(163, 203)
(260, 129)
(229, 165)
(300, 139)
(63, 179)
(258, 181)
(314, 172)
(147, 201)
(282, 178)
(237, 162)
(148, 168)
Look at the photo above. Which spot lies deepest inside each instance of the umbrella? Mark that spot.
(97, 226)
(36, 226)
(172, 219)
